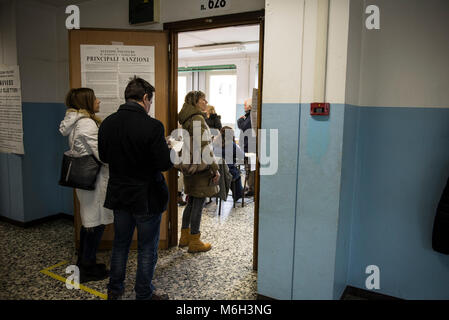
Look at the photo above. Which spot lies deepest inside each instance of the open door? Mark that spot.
(113, 38)
(239, 19)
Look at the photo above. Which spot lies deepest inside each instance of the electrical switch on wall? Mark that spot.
(319, 109)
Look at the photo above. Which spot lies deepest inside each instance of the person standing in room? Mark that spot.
(134, 146)
(199, 185)
(81, 124)
(213, 120)
(226, 143)
(244, 124)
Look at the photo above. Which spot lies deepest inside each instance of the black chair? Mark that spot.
(218, 199)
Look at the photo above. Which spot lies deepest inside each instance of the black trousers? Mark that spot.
(89, 241)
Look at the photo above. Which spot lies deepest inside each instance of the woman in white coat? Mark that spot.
(81, 126)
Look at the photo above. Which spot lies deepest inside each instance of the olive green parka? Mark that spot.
(198, 185)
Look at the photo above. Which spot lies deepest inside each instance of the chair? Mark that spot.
(218, 199)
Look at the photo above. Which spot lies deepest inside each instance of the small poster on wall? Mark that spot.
(11, 129)
(254, 104)
(107, 69)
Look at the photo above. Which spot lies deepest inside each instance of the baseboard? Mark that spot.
(365, 294)
(261, 297)
(37, 221)
(351, 291)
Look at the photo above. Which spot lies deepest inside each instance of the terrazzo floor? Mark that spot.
(223, 273)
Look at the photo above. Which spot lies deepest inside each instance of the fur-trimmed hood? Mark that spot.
(187, 112)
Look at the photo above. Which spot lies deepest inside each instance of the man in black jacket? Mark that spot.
(247, 142)
(134, 146)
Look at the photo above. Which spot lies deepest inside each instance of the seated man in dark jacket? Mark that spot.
(134, 146)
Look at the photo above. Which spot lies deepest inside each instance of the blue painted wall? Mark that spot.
(11, 187)
(403, 165)
(44, 147)
(278, 204)
(347, 194)
(318, 196)
(30, 188)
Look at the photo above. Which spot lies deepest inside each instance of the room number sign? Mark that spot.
(207, 5)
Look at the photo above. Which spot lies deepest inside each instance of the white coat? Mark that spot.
(84, 138)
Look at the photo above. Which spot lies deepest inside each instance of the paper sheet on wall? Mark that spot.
(11, 129)
(107, 70)
(254, 105)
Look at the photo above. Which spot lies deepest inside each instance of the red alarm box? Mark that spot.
(319, 109)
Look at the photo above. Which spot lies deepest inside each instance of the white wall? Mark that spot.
(356, 26)
(337, 51)
(292, 72)
(8, 47)
(282, 51)
(406, 63)
(37, 51)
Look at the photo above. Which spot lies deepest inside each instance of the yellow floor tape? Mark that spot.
(47, 272)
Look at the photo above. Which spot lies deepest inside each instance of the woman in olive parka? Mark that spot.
(199, 185)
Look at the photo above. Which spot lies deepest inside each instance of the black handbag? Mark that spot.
(79, 171)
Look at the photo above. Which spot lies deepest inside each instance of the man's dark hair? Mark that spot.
(137, 88)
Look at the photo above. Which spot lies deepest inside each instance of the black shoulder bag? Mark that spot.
(79, 171)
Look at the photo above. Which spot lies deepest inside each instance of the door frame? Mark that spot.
(174, 28)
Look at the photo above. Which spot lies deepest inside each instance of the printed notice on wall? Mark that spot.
(254, 111)
(11, 130)
(108, 69)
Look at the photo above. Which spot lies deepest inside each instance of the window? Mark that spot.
(182, 90)
(222, 94)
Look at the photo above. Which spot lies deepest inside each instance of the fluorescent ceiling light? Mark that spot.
(237, 46)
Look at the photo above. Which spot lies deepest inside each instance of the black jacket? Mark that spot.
(213, 121)
(440, 235)
(134, 146)
(244, 125)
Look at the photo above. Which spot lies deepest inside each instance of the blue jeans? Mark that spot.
(148, 227)
(191, 217)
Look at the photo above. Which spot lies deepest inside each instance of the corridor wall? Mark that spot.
(31, 187)
(11, 185)
(300, 226)
(398, 100)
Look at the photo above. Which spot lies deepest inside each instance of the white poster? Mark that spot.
(11, 130)
(254, 111)
(108, 69)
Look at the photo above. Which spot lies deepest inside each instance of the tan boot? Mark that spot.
(185, 238)
(196, 245)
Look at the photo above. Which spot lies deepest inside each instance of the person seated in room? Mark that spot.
(223, 146)
(213, 120)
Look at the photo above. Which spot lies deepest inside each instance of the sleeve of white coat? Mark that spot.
(89, 133)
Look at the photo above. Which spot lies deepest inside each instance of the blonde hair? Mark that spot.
(211, 109)
(193, 97)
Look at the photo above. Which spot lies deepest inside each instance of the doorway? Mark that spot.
(218, 77)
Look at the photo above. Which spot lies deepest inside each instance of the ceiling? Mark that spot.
(213, 42)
